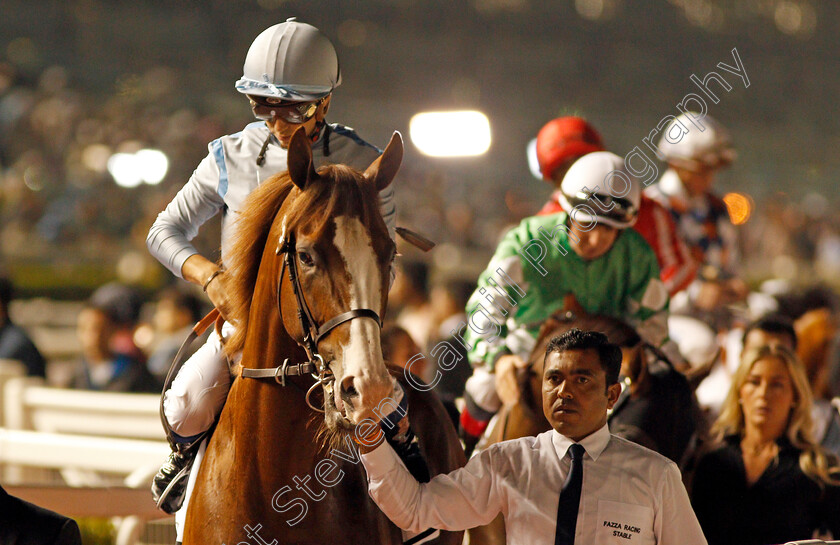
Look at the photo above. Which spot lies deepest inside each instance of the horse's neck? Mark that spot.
(263, 404)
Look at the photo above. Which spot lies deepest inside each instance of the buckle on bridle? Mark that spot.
(280, 373)
(282, 246)
(321, 369)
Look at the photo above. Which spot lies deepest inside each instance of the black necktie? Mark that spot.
(567, 509)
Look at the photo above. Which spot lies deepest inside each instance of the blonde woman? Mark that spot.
(768, 482)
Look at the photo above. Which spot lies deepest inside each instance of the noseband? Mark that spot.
(312, 333)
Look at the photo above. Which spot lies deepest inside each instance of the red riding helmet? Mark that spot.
(563, 138)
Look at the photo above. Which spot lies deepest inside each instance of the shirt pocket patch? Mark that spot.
(623, 523)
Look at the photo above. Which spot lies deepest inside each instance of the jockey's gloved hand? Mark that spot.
(400, 436)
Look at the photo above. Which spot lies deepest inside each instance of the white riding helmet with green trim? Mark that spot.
(293, 61)
(600, 189)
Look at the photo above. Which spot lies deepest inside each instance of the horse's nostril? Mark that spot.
(347, 388)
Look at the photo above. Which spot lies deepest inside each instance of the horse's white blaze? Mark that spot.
(361, 357)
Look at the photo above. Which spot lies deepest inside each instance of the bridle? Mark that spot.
(312, 333)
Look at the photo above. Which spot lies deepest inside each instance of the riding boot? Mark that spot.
(170, 483)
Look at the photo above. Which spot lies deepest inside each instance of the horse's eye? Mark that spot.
(305, 259)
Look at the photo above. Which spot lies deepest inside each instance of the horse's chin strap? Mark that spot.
(312, 334)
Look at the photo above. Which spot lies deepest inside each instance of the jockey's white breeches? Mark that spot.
(481, 386)
(194, 401)
(200, 389)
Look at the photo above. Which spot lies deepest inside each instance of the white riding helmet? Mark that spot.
(292, 61)
(711, 146)
(604, 175)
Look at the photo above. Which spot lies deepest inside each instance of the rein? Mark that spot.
(312, 333)
(180, 358)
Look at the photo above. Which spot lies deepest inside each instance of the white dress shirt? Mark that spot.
(631, 495)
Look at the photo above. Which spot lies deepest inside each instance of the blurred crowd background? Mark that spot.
(83, 80)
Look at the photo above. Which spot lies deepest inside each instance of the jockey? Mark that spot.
(702, 149)
(289, 74)
(564, 140)
(588, 253)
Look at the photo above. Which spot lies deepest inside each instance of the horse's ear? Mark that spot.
(301, 167)
(383, 170)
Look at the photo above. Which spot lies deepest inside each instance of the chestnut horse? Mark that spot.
(656, 409)
(309, 272)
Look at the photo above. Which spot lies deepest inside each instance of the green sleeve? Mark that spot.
(500, 289)
(648, 306)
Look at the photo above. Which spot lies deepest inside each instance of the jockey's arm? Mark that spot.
(648, 306)
(202, 272)
(501, 288)
(198, 201)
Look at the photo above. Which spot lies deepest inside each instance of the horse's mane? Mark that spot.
(339, 190)
(252, 228)
(616, 330)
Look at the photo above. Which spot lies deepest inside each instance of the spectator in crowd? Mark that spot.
(123, 304)
(398, 348)
(15, 344)
(773, 328)
(448, 300)
(411, 295)
(778, 329)
(768, 482)
(176, 312)
(23, 523)
(101, 367)
(815, 330)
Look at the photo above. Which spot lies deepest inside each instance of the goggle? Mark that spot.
(266, 108)
(613, 207)
(709, 161)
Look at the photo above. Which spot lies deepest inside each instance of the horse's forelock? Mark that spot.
(338, 191)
